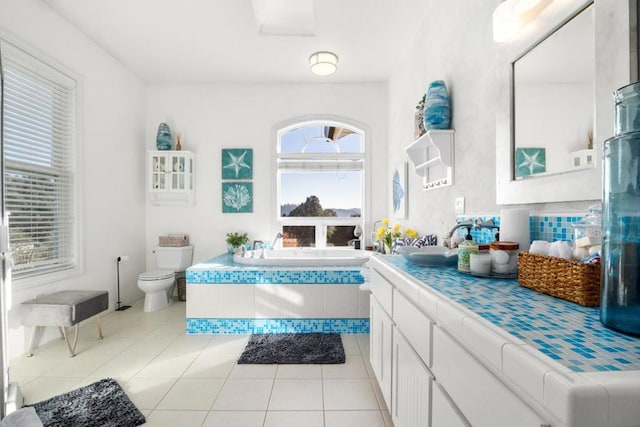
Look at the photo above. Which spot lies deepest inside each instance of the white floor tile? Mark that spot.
(352, 368)
(43, 388)
(243, 395)
(175, 418)
(349, 394)
(234, 419)
(187, 344)
(211, 363)
(353, 419)
(81, 365)
(124, 365)
(305, 394)
(167, 365)
(192, 394)
(254, 371)
(294, 419)
(350, 344)
(299, 371)
(146, 393)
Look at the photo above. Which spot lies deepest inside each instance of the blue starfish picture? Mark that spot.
(237, 163)
(530, 161)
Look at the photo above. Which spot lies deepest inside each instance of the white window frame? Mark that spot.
(325, 159)
(19, 52)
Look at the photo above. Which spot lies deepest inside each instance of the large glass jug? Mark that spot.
(620, 302)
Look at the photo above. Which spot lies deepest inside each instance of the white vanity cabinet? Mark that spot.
(435, 380)
(170, 177)
(411, 391)
(380, 334)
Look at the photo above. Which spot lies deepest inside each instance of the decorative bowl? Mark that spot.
(431, 255)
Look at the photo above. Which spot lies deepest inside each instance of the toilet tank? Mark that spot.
(173, 258)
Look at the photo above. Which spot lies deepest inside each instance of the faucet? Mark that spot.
(256, 243)
(468, 223)
(275, 240)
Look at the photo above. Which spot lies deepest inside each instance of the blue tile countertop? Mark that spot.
(222, 270)
(566, 332)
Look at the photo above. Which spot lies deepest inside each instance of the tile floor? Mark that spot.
(193, 380)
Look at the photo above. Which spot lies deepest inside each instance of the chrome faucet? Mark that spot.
(256, 243)
(468, 223)
(275, 240)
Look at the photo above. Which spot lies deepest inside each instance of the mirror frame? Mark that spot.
(614, 35)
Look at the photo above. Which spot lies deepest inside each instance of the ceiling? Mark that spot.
(167, 41)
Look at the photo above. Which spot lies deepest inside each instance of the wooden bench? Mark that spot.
(63, 309)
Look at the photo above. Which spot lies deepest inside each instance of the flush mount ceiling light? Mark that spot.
(512, 15)
(323, 63)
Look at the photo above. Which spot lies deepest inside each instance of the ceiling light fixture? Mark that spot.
(512, 15)
(323, 63)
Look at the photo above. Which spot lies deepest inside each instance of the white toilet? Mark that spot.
(156, 284)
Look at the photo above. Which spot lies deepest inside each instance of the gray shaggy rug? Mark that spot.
(101, 404)
(313, 348)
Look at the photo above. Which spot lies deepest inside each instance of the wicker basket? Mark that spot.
(567, 279)
(173, 240)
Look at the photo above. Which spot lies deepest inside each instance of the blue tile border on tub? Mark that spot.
(239, 326)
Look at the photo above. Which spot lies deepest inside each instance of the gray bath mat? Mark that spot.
(313, 348)
(101, 404)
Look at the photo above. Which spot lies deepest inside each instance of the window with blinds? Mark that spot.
(38, 135)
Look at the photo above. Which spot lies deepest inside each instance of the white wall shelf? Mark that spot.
(170, 177)
(432, 157)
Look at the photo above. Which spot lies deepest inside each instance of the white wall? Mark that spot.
(454, 43)
(111, 173)
(215, 116)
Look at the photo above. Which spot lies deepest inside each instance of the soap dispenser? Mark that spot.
(465, 249)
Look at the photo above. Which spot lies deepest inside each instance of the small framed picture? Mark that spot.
(237, 163)
(530, 161)
(237, 197)
(399, 191)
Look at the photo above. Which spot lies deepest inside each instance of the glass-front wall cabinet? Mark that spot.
(171, 176)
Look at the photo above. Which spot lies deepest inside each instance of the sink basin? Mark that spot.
(430, 255)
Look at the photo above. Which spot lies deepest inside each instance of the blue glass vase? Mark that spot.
(620, 300)
(437, 107)
(163, 137)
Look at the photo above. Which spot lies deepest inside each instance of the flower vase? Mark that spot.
(163, 137)
(387, 249)
(437, 108)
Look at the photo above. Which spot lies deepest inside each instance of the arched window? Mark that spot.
(320, 183)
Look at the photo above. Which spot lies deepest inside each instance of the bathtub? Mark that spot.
(228, 297)
(306, 257)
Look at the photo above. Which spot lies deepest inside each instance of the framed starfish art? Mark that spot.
(237, 163)
(530, 161)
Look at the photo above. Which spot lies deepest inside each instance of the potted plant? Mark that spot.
(235, 240)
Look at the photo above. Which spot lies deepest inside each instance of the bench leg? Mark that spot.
(34, 329)
(72, 349)
(99, 322)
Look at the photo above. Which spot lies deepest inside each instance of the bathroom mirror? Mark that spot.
(521, 124)
(553, 102)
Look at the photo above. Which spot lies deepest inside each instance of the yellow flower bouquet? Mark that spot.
(385, 234)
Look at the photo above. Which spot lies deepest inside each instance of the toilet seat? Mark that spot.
(157, 275)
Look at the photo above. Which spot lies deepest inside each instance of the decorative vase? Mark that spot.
(387, 249)
(437, 109)
(163, 137)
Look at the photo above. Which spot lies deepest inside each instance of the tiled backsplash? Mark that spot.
(548, 227)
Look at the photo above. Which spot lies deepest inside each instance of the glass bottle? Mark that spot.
(620, 300)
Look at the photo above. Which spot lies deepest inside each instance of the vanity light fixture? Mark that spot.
(511, 15)
(323, 63)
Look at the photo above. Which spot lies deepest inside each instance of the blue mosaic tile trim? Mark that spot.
(552, 228)
(549, 228)
(566, 332)
(276, 326)
(222, 270)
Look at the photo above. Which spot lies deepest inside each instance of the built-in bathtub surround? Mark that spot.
(228, 298)
(568, 333)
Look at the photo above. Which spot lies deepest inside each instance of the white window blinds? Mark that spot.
(38, 125)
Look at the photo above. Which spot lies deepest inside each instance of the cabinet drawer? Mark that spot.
(383, 291)
(414, 325)
(480, 396)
